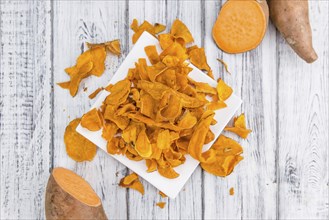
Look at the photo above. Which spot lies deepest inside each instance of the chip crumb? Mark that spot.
(85, 89)
(161, 204)
(231, 191)
(225, 65)
(95, 93)
(162, 194)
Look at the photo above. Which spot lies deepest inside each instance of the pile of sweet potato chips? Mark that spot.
(157, 113)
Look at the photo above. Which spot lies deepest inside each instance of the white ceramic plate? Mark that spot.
(170, 187)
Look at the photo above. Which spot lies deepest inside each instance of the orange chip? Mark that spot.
(64, 85)
(151, 165)
(158, 28)
(109, 130)
(225, 65)
(152, 54)
(198, 58)
(78, 147)
(239, 127)
(165, 40)
(143, 145)
(216, 105)
(223, 90)
(131, 181)
(95, 93)
(179, 30)
(112, 46)
(175, 49)
(162, 194)
(167, 172)
(92, 120)
(227, 157)
(161, 204)
(231, 191)
(199, 135)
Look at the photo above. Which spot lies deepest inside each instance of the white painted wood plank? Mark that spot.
(25, 107)
(303, 125)
(254, 79)
(76, 22)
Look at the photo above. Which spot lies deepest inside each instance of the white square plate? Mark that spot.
(170, 187)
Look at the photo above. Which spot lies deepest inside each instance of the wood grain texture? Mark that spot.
(285, 171)
(77, 22)
(253, 78)
(25, 107)
(303, 125)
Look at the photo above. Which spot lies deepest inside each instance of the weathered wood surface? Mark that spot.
(285, 171)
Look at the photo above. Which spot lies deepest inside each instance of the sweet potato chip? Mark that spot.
(131, 181)
(92, 120)
(239, 127)
(216, 105)
(78, 147)
(158, 28)
(151, 165)
(165, 40)
(167, 172)
(164, 139)
(143, 145)
(161, 204)
(162, 194)
(152, 54)
(223, 90)
(198, 58)
(227, 157)
(109, 130)
(225, 65)
(112, 46)
(179, 30)
(95, 93)
(199, 135)
(231, 191)
(64, 85)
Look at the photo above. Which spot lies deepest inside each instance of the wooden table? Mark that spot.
(286, 101)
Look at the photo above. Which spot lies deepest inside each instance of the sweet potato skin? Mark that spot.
(292, 20)
(61, 205)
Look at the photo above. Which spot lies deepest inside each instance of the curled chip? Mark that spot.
(78, 147)
(239, 127)
(161, 204)
(179, 30)
(227, 157)
(225, 65)
(112, 46)
(223, 90)
(131, 181)
(92, 120)
(198, 58)
(145, 26)
(88, 63)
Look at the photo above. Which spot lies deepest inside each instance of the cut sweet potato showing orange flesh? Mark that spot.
(240, 25)
(68, 196)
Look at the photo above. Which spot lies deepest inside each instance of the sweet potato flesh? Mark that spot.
(76, 186)
(240, 26)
